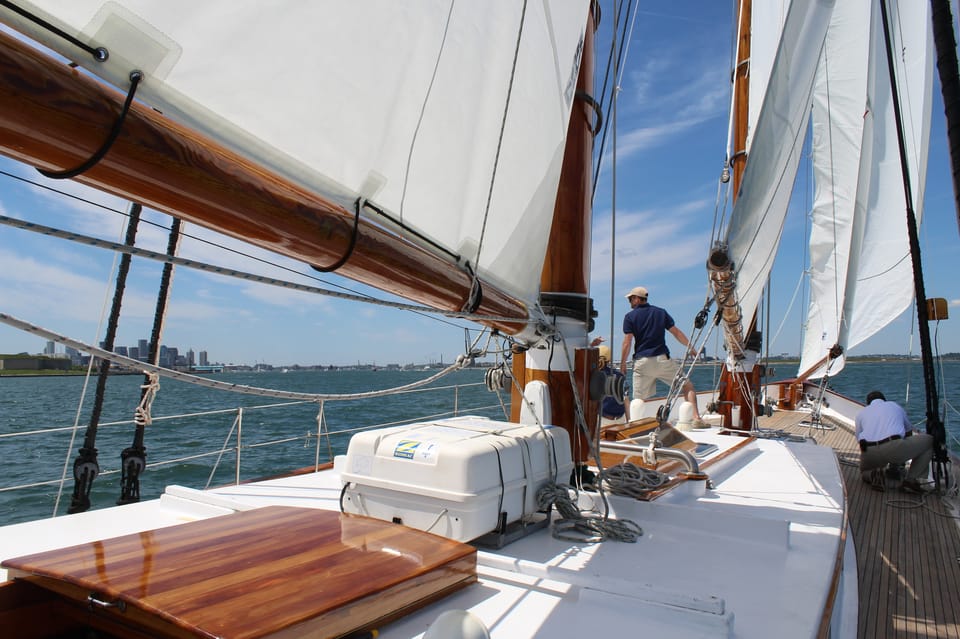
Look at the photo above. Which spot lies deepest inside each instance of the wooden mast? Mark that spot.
(55, 117)
(565, 277)
(736, 388)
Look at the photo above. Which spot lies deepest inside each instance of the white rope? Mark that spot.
(462, 362)
(142, 414)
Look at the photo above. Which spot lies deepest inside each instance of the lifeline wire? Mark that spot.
(243, 275)
(209, 383)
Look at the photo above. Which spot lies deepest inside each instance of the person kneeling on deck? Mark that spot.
(886, 437)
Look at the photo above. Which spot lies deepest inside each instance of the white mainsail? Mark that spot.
(753, 233)
(861, 272)
(450, 116)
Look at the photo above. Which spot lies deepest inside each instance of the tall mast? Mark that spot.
(565, 277)
(736, 389)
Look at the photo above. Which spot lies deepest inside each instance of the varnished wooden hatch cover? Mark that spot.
(269, 572)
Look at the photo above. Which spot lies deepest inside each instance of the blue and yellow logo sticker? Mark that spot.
(406, 448)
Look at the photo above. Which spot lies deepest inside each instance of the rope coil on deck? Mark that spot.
(575, 526)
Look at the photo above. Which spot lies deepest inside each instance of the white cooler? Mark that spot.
(453, 477)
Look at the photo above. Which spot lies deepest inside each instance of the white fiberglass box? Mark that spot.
(453, 477)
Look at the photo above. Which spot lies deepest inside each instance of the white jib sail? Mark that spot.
(839, 103)
(449, 115)
(881, 287)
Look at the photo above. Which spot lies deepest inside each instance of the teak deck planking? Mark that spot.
(908, 546)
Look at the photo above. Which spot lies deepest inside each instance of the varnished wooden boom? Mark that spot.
(53, 117)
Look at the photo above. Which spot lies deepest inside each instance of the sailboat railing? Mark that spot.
(244, 435)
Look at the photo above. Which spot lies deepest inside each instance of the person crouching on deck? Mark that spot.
(886, 437)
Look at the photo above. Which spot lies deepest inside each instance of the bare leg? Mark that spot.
(691, 394)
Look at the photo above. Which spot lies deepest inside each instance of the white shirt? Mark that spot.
(881, 420)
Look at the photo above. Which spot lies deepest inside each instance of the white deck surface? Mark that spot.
(753, 556)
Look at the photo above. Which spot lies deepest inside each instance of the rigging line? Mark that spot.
(234, 251)
(209, 268)
(786, 313)
(83, 394)
(89, 163)
(606, 99)
(9, 320)
(423, 108)
(100, 54)
(186, 235)
(496, 157)
(885, 271)
(85, 466)
(133, 459)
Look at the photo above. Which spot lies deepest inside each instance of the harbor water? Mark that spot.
(277, 436)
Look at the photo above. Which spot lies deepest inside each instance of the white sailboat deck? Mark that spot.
(748, 555)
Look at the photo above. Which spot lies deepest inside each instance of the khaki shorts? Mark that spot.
(646, 372)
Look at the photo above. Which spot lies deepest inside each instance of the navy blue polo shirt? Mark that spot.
(649, 325)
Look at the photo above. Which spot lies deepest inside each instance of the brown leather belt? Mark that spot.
(864, 444)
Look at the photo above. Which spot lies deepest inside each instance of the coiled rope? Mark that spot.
(574, 525)
(630, 480)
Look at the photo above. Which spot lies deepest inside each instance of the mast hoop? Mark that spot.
(100, 54)
(135, 78)
(592, 103)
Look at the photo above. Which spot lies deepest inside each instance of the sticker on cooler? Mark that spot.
(417, 450)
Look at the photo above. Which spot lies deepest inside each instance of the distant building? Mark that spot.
(203, 359)
(133, 353)
(34, 363)
(50, 348)
(73, 355)
(121, 350)
(190, 358)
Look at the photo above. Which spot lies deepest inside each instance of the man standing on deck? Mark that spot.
(886, 437)
(648, 324)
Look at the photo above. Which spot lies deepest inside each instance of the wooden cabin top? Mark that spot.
(318, 573)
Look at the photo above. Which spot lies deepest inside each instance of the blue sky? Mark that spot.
(671, 129)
